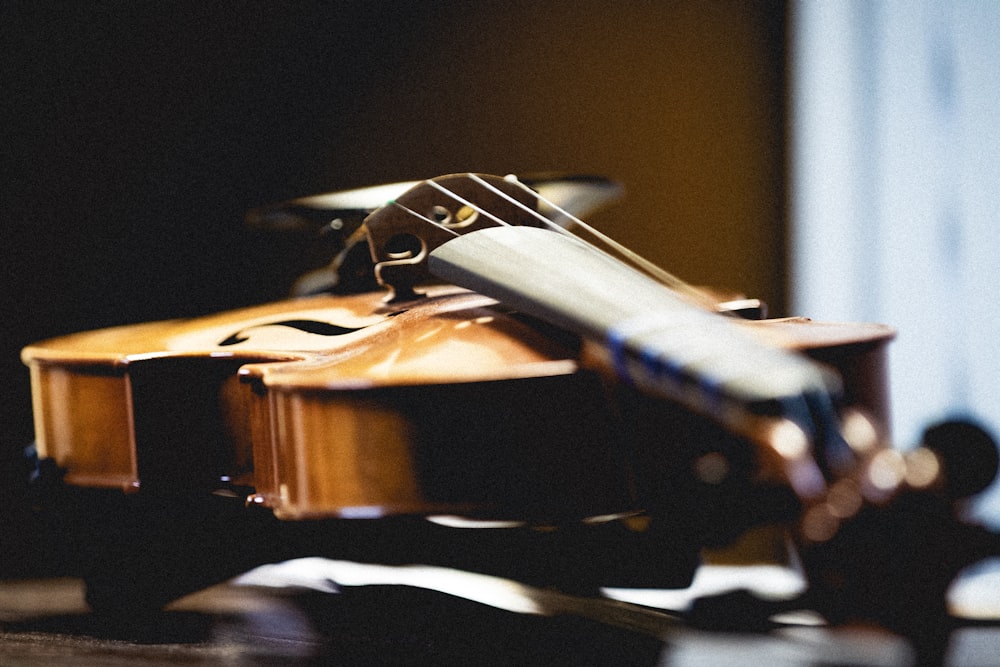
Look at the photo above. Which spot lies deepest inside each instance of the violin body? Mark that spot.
(346, 406)
(334, 406)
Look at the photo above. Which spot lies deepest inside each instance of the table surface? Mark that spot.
(295, 614)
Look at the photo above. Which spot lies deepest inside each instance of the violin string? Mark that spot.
(621, 253)
(632, 257)
(478, 209)
(423, 217)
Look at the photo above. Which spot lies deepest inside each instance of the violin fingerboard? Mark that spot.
(655, 339)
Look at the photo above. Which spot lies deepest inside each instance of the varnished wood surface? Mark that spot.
(45, 622)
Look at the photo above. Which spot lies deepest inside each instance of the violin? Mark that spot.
(506, 370)
(256, 391)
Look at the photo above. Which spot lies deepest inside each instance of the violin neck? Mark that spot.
(655, 338)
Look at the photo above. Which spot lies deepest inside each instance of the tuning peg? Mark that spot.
(967, 454)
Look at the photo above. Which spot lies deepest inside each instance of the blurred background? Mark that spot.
(788, 152)
(894, 161)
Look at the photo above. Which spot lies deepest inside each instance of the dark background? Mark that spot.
(134, 136)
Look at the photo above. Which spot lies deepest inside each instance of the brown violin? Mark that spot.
(508, 370)
(356, 405)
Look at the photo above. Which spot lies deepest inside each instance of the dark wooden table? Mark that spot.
(400, 616)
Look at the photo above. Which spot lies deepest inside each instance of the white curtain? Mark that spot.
(895, 194)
